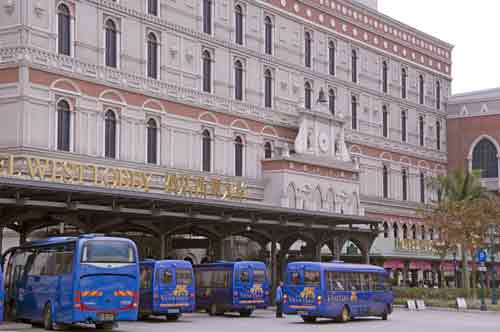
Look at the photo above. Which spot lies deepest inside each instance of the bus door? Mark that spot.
(63, 265)
(166, 286)
(146, 289)
(242, 290)
(184, 288)
(2, 296)
(26, 298)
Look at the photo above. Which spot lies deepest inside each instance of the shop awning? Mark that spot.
(394, 264)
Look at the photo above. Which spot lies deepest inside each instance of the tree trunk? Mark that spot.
(441, 274)
(465, 271)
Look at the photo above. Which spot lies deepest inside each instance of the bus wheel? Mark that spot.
(308, 319)
(104, 326)
(246, 313)
(345, 315)
(47, 318)
(385, 314)
(172, 318)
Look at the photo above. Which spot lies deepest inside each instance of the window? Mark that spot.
(63, 126)
(294, 277)
(438, 135)
(438, 95)
(184, 276)
(152, 56)
(385, 181)
(484, 158)
(207, 16)
(422, 187)
(207, 72)
(386, 230)
(385, 124)
(414, 232)
(238, 156)
(207, 150)
(259, 276)
(108, 251)
(331, 58)
(422, 232)
(403, 126)
(268, 88)
(404, 77)
(421, 89)
(110, 134)
(238, 80)
(384, 76)
(244, 276)
(405, 231)
(64, 30)
(404, 179)
(421, 126)
(238, 23)
(166, 276)
(307, 49)
(111, 44)
(268, 150)
(153, 7)
(431, 234)
(311, 278)
(268, 35)
(354, 113)
(331, 101)
(146, 277)
(152, 141)
(307, 95)
(395, 230)
(354, 66)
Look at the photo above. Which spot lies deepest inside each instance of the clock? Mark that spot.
(324, 143)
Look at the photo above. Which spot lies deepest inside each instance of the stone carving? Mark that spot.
(39, 10)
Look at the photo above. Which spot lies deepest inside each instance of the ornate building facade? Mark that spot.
(325, 110)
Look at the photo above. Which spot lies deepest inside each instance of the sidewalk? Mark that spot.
(473, 311)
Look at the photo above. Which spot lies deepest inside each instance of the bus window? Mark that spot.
(311, 278)
(64, 262)
(335, 281)
(244, 276)
(366, 281)
(166, 276)
(183, 276)
(294, 277)
(354, 281)
(146, 277)
(96, 251)
(259, 276)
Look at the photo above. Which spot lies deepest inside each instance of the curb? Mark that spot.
(468, 311)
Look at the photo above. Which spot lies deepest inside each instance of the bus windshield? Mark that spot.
(184, 276)
(311, 278)
(259, 276)
(99, 251)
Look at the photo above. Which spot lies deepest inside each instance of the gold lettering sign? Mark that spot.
(70, 172)
(414, 245)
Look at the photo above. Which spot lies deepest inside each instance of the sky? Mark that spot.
(468, 26)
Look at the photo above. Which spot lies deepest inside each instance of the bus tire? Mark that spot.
(172, 318)
(47, 318)
(309, 319)
(385, 314)
(105, 326)
(246, 313)
(345, 315)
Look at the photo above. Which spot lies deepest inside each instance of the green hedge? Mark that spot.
(443, 294)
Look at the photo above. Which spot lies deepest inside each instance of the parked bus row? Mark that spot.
(99, 280)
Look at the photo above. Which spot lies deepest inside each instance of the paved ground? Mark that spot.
(263, 321)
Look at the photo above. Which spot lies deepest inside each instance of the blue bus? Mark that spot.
(167, 288)
(64, 280)
(336, 290)
(231, 287)
(1, 294)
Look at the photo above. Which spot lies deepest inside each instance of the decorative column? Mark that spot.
(163, 244)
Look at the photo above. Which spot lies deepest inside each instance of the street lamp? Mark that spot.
(493, 237)
(455, 268)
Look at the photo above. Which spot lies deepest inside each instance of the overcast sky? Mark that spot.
(473, 27)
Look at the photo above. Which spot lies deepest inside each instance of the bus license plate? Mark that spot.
(173, 311)
(106, 317)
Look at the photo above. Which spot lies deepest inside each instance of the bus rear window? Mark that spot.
(294, 277)
(184, 276)
(97, 251)
(259, 276)
(311, 278)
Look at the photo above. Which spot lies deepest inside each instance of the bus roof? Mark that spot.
(69, 239)
(337, 266)
(231, 264)
(166, 263)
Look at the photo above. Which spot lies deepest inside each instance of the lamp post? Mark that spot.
(481, 257)
(493, 237)
(455, 268)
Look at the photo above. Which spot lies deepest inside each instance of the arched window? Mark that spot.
(331, 101)
(331, 58)
(152, 56)
(385, 181)
(207, 72)
(64, 29)
(238, 80)
(268, 150)
(404, 180)
(414, 232)
(238, 156)
(422, 187)
(404, 77)
(385, 124)
(438, 95)
(207, 16)
(206, 151)
(422, 232)
(484, 158)
(238, 23)
(395, 230)
(421, 129)
(354, 66)
(153, 7)
(354, 113)
(268, 35)
(307, 49)
(386, 230)
(111, 44)
(403, 126)
(384, 76)
(431, 234)
(63, 126)
(438, 135)
(110, 134)
(268, 88)
(152, 141)
(421, 89)
(405, 231)
(307, 95)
